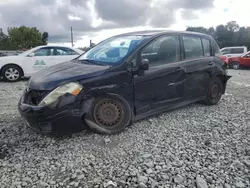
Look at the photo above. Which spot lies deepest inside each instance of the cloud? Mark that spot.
(123, 12)
(157, 13)
(46, 15)
(55, 16)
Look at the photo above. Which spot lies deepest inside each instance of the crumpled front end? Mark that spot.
(63, 115)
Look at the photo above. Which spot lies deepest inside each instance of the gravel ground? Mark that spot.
(193, 146)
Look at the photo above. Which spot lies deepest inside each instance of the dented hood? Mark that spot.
(51, 77)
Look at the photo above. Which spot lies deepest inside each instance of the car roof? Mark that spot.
(55, 46)
(161, 32)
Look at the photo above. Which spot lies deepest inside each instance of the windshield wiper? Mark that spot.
(92, 62)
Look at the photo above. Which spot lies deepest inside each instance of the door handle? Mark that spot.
(210, 63)
(178, 69)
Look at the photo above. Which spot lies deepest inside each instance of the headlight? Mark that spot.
(72, 88)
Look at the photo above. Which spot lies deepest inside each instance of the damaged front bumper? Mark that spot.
(64, 115)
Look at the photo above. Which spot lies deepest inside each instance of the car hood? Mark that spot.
(51, 77)
(4, 58)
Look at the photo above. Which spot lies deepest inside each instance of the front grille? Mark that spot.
(36, 96)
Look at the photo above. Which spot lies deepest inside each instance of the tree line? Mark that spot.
(23, 37)
(18, 38)
(230, 34)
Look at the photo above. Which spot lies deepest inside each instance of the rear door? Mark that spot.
(164, 83)
(198, 63)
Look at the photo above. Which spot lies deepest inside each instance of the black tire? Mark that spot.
(16, 75)
(235, 65)
(214, 92)
(109, 115)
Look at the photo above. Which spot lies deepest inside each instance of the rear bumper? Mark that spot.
(49, 119)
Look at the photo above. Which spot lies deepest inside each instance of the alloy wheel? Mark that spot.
(12, 74)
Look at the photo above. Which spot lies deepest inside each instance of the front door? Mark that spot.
(39, 60)
(163, 84)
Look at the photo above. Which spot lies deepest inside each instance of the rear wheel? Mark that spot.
(214, 91)
(109, 115)
(11, 73)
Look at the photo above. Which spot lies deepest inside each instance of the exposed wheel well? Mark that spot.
(11, 64)
(126, 120)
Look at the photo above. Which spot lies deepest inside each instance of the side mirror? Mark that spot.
(31, 54)
(144, 64)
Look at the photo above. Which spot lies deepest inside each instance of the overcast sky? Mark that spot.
(99, 19)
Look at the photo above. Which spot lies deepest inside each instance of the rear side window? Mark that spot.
(216, 49)
(65, 51)
(192, 47)
(237, 50)
(206, 47)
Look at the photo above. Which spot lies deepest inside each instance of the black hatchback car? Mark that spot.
(123, 79)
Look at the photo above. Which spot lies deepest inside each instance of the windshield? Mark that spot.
(27, 52)
(247, 53)
(112, 50)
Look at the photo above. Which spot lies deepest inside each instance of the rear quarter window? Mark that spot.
(206, 47)
(216, 49)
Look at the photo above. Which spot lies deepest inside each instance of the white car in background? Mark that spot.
(13, 68)
(234, 51)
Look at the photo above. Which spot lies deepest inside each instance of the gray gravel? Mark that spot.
(194, 146)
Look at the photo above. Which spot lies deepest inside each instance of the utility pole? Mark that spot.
(72, 42)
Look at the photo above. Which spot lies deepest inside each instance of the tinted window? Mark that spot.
(162, 50)
(206, 47)
(237, 50)
(192, 47)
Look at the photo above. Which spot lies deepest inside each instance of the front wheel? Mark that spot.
(214, 91)
(109, 115)
(11, 73)
(235, 65)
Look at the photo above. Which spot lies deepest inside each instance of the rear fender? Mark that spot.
(224, 79)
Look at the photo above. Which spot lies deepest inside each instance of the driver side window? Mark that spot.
(163, 50)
